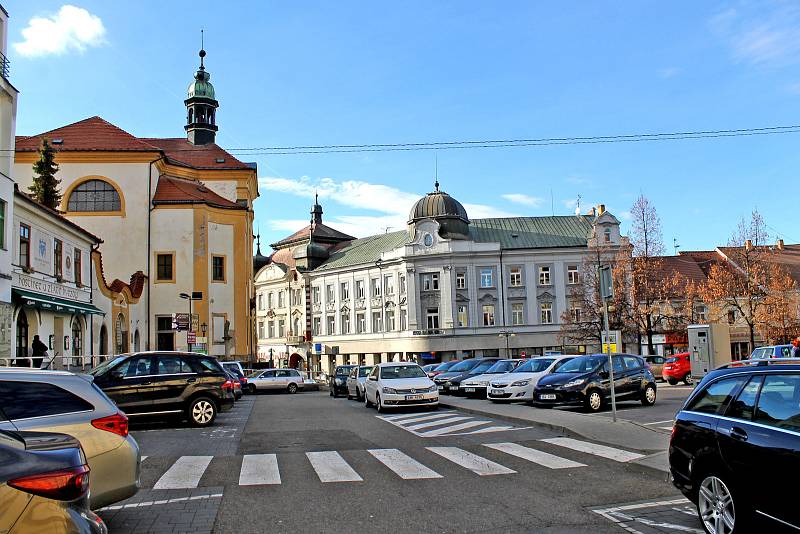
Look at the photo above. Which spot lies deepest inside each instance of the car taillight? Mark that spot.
(64, 485)
(243, 380)
(227, 385)
(116, 424)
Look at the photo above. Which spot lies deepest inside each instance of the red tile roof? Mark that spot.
(322, 234)
(172, 190)
(180, 151)
(284, 256)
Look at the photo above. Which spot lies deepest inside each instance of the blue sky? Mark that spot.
(317, 73)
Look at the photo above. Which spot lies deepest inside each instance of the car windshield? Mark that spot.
(394, 372)
(364, 371)
(466, 365)
(445, 366)
(582, 364)
(503, 366)
(536, 365)
(343, 371)
(482, 367)
(100, 369)
(255, 373)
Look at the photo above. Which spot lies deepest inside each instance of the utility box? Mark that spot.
(709, 347)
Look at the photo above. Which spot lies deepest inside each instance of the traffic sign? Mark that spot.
(180, 322)
(191, 338)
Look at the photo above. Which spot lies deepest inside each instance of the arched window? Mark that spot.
(22, 337)
(94, 195)
(121, 335)
(103, 340)
(77, 338)
(136, 341)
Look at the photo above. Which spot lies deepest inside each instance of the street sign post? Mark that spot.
(606, 293)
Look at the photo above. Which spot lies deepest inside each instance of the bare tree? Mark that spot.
(778, 319)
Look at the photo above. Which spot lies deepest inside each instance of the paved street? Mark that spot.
(659, 416)
(308, 462)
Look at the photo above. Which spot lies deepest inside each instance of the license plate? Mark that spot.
(469, 390)
(413, 397)
(453, 387)
(441, 388)
(548, 396)
(497, 392)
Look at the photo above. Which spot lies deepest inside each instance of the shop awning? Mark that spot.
(55, 304)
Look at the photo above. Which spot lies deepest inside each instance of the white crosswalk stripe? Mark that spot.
(416, 423)
(452, 428)
(532, 455)
(144, 458)
(415, 417)
(437, 422)
(611, 453)
(259, 469)
(331, 467)
(473, 462)
(419, 418)
(184, 473)
(403, 465)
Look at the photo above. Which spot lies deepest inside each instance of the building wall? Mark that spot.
(221, 295)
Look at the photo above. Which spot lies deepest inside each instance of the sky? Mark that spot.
(323, 73)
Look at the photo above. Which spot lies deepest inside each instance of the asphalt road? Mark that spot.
(659, 416)
(398, 481)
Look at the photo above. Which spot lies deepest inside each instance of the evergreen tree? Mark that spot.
(45, 184)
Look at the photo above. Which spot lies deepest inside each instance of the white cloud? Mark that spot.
(72, 28)
(768, 36)
(527, 200)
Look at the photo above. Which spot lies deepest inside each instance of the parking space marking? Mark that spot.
(611, 453)
(477, 464)
(452, 428)
(144, 458)
(624, 516)
(403, 465)
(185, 473)
(145, 504)
(331, 467)
(258, 469)
(536, 456)
(659, 422)
(406, 417)
(437, 422)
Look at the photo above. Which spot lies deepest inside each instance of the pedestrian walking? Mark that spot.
(39, 351)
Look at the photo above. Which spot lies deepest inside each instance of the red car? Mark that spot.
(677, 368)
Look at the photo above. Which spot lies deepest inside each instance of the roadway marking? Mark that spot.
(184, 473)
(403, 465)
(618, 516)
(452, 428)
(473, 462)
(331, 467)
(259, 469)
(659, 422)
(143, 459)
(163, 501)
(611, 453)
(417, 418)
(408, 417)
(437, 422)
(532, 455)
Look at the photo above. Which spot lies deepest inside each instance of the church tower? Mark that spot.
(201, 108)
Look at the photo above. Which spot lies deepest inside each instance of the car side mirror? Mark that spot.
(372, 378)
(604, 374)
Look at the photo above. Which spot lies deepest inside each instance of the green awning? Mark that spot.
(55, 304)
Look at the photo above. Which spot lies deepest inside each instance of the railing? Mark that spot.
(5, 65)
(65, 363)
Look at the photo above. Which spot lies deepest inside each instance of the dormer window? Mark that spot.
(607, 235)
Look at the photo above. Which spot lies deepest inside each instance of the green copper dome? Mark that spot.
(201, 86)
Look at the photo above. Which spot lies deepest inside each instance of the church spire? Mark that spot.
(201, 105)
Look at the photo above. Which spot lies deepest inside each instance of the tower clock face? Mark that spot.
(428, 240)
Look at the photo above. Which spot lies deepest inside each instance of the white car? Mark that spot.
(399, 384)
(477, 386)
(518, 385)
(276, 379)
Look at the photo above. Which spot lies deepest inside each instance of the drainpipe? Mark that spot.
(149, 241)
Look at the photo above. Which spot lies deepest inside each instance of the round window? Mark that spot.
(428, 240)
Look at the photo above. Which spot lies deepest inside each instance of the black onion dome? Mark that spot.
(447, 211)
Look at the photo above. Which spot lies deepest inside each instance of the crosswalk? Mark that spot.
(331, 467)
(445, 423)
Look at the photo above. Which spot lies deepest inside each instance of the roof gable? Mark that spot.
(172, 190)
(92, 134)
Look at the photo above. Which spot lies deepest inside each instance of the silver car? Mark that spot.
(275, 380)
(356, 380)
(68, 403)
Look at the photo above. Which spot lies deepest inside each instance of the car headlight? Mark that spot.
(434, 388)
(339, 380)
(483, 383)
(390, 391)
(448, 384)
(574, 383)
(520, 383)
(469, 384)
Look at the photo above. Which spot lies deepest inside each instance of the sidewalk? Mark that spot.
(623, 434)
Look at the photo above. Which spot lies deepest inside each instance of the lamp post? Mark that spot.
(190, 298)
(379, 265)
(507, 334)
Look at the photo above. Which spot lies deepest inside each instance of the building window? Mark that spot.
(575, 314)
(165, 266)
(271, 329)
(544, 276)
(296, 331)
(330, 296)
(315, 294)
(430, 282)
(461, 280)
(402, 284)
(432, 318)
(462, 316)
(165, 336)
(345, 323)
(546, 310)
(77, 266)
(281, 328)
(3, 224)
(731, 316)
(701, 311)
(217, 268)
(517, 313)
(487, 278)
(488, 314)
(361, 323)
(377, 322)
(345, 290)
(317, 325)
(389, 320)
(403, 319)
(388, 284)
(572, 275)
(58, 258)
(375, 284)
(261, 301)
(298, 297)
(330, 325)
(359, 289)
(94, 195)
(607, 235)
(516, 277)
(281, 298)
(260, 329)
(25, 246)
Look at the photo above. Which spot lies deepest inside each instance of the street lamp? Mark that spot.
(190, 298)
(203, 328)
(507, 334)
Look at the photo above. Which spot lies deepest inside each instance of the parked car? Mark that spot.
(309, 384)
(462, 368)
(442, 368)
(772, 351)
(240, 372)
(356, 380)
(656, 365)
(399, 384)
(44, 485)
(518, 385)
(430, 367)
(585, 381)
(678, 368)
(67, 403)
(737, 434)
(289, 380)
(338, 381)
(155, 384)
(236, 384)
(477, 382)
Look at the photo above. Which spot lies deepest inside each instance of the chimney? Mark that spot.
(601, 209)
(748, 244)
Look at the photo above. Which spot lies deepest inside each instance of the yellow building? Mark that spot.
(178, 209)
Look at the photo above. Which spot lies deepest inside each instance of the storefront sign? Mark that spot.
(53, 289)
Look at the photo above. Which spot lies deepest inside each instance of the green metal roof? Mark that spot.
(511, 232)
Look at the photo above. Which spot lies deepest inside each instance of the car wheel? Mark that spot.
(202, 411)
(367, 404)
(349, 397)
(292, 388)
(378, 403)
(649, 395)
(717, 504)
(594, 400)
(359, 397)
(688, 380)
(672, 381)
(252, 389)
(333, 391)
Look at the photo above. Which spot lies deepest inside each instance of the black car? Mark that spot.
(470, 388)
(585, 381)
(735, 447)
(162, 383)
(459, 370)
(338, 382)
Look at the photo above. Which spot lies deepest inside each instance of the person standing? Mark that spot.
(795, 348)
(39, 351)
